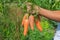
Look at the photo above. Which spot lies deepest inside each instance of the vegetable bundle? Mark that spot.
(29, 20)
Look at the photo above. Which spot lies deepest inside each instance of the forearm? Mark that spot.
(54, 15)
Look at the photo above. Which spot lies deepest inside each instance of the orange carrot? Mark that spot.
(26, 23)
(39, 25)
(31, 21)
(25, 16)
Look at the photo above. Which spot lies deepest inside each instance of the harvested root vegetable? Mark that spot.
(25, 17)
(26, 24)
(39, 25)
(31, 21)
(26, 27)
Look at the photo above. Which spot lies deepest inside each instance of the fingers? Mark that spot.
(29, 8)
(28, 4)
(36, 8)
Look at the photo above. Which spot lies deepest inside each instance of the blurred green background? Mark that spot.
(11, 14)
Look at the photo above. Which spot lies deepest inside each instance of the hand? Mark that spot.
(37, 8)
(28, 6)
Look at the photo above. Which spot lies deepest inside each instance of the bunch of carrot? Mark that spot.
(29, 20)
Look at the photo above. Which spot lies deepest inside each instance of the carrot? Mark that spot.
(31, 21)
(39, 25)
(26, 23)
(25, 16)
